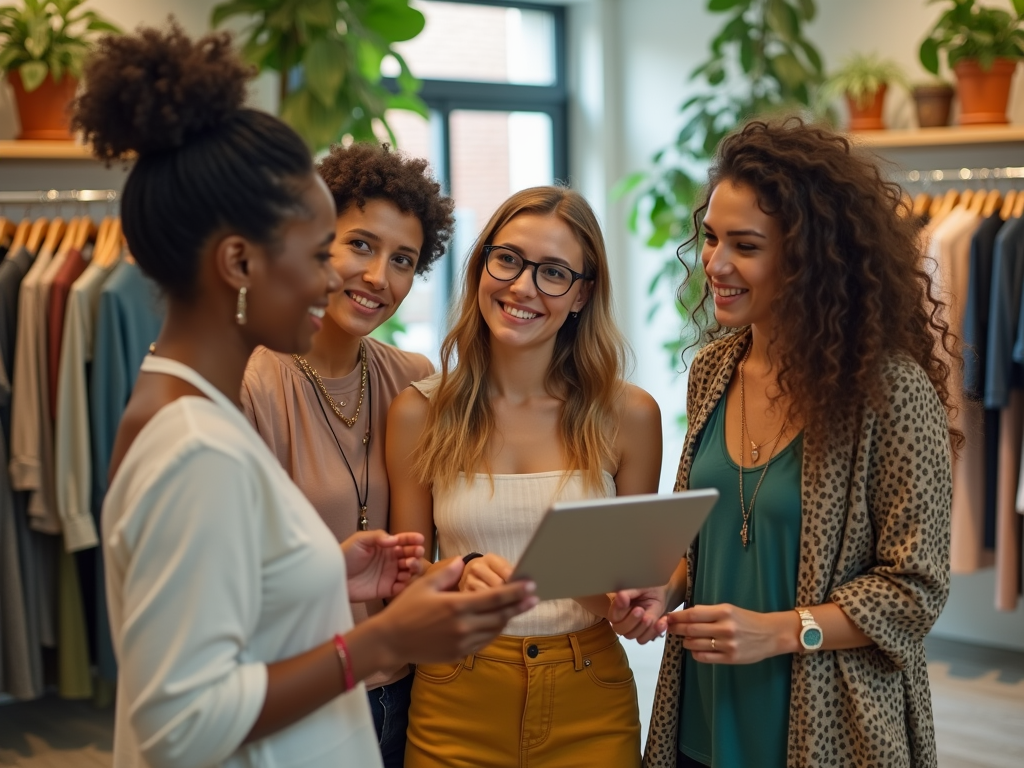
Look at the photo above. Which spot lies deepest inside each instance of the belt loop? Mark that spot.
(577, 655)
(468, 663)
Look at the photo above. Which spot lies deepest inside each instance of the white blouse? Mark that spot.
(217, 565)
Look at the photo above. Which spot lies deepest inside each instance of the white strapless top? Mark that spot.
(470, 517)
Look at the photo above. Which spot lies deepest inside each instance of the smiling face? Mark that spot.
(741, 256)
(516, 313)
(292, 283)
(376, 249)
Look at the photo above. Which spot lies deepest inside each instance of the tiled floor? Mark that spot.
(978, 698)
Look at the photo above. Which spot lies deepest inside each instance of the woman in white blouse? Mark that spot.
(229, 601)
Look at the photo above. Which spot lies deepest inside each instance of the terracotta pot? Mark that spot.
(868, 118)
(933, 103)
(984, 95)
(44, 111)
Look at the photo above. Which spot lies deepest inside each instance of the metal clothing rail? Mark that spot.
(60, 196)
(963, 174)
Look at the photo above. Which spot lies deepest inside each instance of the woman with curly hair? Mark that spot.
(229, 598)
(535, 410)
(819, 409)
(323, 413)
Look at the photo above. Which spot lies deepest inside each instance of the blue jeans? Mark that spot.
(390, 707)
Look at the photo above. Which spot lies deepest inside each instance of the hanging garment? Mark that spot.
(72, 448)
(949, 254)
(978, 306)
(128, 318)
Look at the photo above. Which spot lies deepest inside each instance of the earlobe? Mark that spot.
(582, 297)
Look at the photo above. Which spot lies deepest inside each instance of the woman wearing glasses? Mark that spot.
(536, 410)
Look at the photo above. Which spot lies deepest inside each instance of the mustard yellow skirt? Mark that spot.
(565, 701)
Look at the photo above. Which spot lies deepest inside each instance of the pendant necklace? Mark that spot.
(745, 510)
(362, 496)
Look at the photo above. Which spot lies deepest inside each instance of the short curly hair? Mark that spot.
(362, 172)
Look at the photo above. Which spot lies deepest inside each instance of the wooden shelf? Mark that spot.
(940, 137)
(44, 150)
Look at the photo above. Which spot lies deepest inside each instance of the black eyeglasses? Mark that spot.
(550, 277)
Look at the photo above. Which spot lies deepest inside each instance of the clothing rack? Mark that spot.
(962, 174)
(57, 196)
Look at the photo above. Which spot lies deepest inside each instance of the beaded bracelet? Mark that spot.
(346, 661)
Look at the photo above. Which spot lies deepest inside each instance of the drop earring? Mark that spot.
(241, 307)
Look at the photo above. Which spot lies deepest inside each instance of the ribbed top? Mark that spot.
(471, 517)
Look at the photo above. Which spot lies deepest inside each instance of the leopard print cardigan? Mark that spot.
(874, 539)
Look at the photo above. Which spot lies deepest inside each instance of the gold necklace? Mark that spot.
(310, 372)
(747, 512)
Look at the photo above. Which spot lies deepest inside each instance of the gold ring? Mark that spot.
(712, 643)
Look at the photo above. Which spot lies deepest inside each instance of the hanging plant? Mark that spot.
(760, 63)
(327, 55)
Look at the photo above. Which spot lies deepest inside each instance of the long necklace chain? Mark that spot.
(313, 376)
(362, 495)
(748, 511)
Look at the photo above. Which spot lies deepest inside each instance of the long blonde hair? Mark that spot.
(586, 368)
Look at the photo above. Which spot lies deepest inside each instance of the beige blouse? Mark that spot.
(282, 404)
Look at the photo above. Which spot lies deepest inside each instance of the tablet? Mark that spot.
(603, 545)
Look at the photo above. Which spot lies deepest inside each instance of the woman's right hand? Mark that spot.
(427, 623)
(485, 572)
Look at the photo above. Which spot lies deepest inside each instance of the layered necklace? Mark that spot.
(754, 453)
(363, 494)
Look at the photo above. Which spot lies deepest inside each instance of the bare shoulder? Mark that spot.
(639, 409)
(408, 410)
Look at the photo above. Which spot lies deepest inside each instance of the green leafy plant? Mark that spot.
(860, 77)
(42, 37)
(970, 31)
(760, 63)
(327, 55)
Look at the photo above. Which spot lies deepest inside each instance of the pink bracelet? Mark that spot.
(346, 661)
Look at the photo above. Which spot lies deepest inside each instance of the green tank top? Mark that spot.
(735, 716)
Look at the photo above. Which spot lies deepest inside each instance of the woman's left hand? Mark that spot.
(379, 564)
(725, 634)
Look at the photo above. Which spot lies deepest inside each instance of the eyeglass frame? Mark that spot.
(576, 276)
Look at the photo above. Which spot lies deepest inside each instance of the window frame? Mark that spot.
(443, 97)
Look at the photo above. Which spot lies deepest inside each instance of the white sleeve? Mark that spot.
(191, 598)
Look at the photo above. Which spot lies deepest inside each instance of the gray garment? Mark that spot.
(21, 664)
(1004, 314)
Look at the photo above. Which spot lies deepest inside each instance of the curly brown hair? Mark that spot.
(363, 172)
(853, 288)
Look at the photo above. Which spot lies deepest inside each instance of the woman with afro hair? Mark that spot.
(323, 413)
(820, 410)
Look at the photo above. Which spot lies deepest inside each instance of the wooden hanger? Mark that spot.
(921, 203)
(993, 200)
(933, 208)
(20, 235)
(949, 201)
(112, 250)
(101, 237)
(86, 231)
(7, 228)
(69, 237)
(57, 228)
(977, 204)
(35, 235)
(1018, 206)
(1008, 202)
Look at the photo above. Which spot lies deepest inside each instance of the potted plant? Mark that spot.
(983, 46)
(43, 45)
(327, 55)
(863, 80)
(932, 101)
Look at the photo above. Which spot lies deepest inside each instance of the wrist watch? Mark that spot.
(811, 636)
